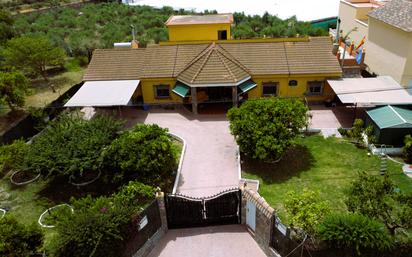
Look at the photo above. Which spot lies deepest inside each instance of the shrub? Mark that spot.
(306, 210)
(265, 128)
(100, 224)
(376, 198)
(146, 153)
(356, 132)
(17, 239)
(11, 156)
(71, 145)
(407, 148)
(354, 231)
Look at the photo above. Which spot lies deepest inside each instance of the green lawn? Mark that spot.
(326, 165)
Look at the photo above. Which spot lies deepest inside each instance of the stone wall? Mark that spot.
(265, 216)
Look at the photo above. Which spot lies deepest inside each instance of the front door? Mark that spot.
(251, 215)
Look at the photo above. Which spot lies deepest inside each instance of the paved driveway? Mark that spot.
(221, 241)
(210, 164)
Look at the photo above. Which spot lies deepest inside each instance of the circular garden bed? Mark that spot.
(21, 177)
(50, 217)
(87, 178)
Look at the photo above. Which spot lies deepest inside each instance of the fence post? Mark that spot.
(160, 197)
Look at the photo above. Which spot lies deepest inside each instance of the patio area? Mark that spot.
(329, 119)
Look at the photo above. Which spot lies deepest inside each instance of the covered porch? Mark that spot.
(211, 98)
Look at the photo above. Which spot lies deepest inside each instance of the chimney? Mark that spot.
(135, 44)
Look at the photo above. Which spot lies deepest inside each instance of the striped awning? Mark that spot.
(247, 85)
(181, 89)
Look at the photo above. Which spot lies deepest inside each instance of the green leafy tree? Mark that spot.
(101, 225)
(306, 211)
(18, 240)
(376, 198)
(33, 54)
(265, 128)
(12, 155)
(356, 132)
(146, 153)
(13, 88)
(6, 26)
(71, 145)
(354, 232)
(407, 148)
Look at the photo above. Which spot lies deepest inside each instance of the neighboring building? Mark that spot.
(354, 14)
(390, 124)
(208, 71)
(390, 41)
(387, 28)
(199, 27)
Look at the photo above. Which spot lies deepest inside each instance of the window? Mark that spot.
(270, 89)
(222, 34)
(293, 83)
(315, 87)
(162, 91)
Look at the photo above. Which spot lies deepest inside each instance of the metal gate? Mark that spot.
(184, 212)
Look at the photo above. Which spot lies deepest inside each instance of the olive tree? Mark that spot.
(265, 128)
(33, 54)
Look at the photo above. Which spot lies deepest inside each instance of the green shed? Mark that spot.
(325, 23)
(391, 124)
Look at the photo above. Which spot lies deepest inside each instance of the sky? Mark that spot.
(305, 10)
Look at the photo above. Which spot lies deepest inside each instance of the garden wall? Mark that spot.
(276, 239)
(144, 240)
(27, 127)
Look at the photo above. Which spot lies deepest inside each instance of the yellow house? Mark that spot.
(196, 27)
(205, 72)
(387, 27)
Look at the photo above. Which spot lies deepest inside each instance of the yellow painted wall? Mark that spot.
(284, 90)
(197, 32)
(148, 90)
(388, 51)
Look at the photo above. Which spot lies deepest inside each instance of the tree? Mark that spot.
(13, 88)
(376, 198)
(265, 128)
(6, 26)
(101, 225)
(146, 153)
(17, 239)
(306, 210)
(71, 145)
(356, 232)
(12, 155)
(407, 148)
(33, 54)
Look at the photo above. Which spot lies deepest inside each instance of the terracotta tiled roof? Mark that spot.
(314, 56)
(397, 13)
(213, 66)
(224, 62)
(200, 19)
(115, 64)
